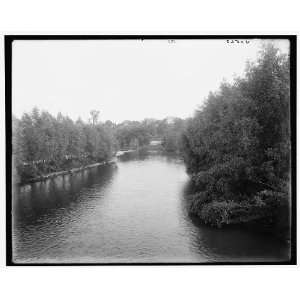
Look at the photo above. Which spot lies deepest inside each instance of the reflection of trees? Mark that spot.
(62, 192)
(231, 243)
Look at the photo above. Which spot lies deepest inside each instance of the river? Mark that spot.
(130, 212)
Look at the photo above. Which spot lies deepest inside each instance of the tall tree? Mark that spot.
(237, 146)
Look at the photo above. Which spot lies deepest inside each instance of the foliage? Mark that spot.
(44, 144)
(132, 134)
(237, 146)
(172, 135)
(135, 134)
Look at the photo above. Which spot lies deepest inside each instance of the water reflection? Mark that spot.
(43, 211)
(61, 192)
(231, 243)
(134, 211)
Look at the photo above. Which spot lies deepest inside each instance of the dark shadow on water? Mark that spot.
(45, 214)
(40, 198)
(233, 243)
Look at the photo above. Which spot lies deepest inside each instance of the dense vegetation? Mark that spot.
(44, 144)
(237, 148)
(172, 134)
(133, 134)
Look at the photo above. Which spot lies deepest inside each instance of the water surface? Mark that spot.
(132, 211)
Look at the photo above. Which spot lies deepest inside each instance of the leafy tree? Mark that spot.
(237, 146)
(94, 116)
(43, 144)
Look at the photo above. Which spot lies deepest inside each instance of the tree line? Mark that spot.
(44, 144)
(134, 133)
(237, 147)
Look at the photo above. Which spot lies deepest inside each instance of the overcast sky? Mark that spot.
(124, 79)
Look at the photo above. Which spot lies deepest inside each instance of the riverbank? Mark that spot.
(265, 218)
(120, 216)
(122, 152)
(75, 170)
(64, 172)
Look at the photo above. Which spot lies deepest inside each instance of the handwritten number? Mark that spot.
(237, 41)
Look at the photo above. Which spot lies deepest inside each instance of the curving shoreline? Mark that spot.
(65, 172)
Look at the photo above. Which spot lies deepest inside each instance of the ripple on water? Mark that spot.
(133, 213)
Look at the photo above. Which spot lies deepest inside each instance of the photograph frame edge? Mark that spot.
(8, 41)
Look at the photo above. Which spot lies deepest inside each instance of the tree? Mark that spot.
(43, 144)
(94, 116)
(237, 146)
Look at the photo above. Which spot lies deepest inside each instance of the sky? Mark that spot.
(124, 79)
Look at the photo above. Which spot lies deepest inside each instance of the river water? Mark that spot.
(133, 211)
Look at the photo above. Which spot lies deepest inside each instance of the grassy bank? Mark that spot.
(41, 176)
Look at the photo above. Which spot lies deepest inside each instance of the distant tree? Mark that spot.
(94, 116)
(132, 134)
